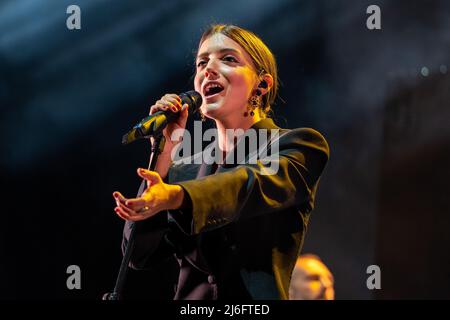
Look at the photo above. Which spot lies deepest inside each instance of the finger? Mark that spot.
(173, 106)
(176, 102)
(122, 214)
(125, 216)
(167, 103)
(121, 203)
(124, 207)
(151, 176)
(137, 204)
(161, 105)
(184, 111)
(129, 215)
(119, 197)
(158, 107)
(172, 96)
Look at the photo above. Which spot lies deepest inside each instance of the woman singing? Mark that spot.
(235, 227)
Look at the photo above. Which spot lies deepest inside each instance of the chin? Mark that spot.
(211, 109)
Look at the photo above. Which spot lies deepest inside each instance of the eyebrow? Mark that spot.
(204, 54)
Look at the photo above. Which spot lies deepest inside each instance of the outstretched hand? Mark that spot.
(158, 196)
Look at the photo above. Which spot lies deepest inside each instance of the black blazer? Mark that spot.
(244, 227)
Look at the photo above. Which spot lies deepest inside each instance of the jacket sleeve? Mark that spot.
(247, 190)
(150, 246)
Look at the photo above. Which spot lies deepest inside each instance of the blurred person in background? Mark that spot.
(311, 280)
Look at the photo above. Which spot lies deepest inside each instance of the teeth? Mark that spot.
(209, 86)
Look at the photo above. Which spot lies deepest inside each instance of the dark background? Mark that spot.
(380, 97)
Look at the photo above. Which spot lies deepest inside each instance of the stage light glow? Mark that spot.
(424, 71)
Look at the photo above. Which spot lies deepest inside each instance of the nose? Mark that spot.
(327, 290)
(211, 71)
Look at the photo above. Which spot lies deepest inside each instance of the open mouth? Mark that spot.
(212, 88)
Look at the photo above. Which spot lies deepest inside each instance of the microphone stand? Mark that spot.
(156, 148)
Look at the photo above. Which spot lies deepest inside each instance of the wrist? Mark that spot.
(165, 154)
(178, 197)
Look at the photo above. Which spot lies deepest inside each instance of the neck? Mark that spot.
(236, 122)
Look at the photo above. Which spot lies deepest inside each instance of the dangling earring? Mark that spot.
(255, 102)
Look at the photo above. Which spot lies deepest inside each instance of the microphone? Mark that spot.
(154, 124)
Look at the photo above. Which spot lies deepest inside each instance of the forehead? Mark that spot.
(310, 266)
(218, 43)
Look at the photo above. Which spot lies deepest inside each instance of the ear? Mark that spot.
(264, 88)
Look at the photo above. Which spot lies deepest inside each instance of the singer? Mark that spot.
(235, 231)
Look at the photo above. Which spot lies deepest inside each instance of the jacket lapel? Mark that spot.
(208, 164)
(267, 124)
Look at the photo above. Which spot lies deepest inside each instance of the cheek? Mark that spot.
(197, 83)
(242, 80)
(315, 287)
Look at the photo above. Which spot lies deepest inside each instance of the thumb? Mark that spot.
(152, 177)
(184, 111)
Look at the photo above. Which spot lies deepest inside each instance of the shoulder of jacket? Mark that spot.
(304, 136)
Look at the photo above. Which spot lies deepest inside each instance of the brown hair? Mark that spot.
(263, 59)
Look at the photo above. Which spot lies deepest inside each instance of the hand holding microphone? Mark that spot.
(173, 103)
(166, 115)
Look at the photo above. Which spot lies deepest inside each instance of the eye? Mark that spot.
(201, 63)
(313, 277)
(230, 59)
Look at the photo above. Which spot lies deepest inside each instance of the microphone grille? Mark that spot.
(192, 98)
